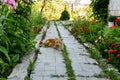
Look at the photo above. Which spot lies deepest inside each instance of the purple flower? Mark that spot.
(10, 2)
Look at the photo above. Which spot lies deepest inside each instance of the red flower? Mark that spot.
(110, 51)
(112, 44)
(118, 56)
(111, 27)
(117, 20)
(115, 51)
(109, 59)
(84, 29)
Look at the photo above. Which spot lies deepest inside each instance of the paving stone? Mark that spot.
(86, 59)
(41, 67)
(89, 70)
(76, 67)
(37, 78)
(82, 64)
(50, 61)
(93, 78)
(50, 68)
(60, 70)
(90, 78)
(48, 73)
(55, 78)
(81, 78)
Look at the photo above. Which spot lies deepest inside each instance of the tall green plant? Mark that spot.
(100, 9)
(15, 34)
(37, 17)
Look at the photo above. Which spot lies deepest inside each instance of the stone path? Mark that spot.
(83, 65)
(50, 61)
(49, 64)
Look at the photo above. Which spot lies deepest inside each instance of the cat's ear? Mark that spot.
(41, 44)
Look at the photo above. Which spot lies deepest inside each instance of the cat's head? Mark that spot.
(58, 41)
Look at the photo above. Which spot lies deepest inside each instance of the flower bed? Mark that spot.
(109, 46)
(88, 29)
(105, 39)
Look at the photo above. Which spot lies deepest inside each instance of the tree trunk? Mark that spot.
(44, 3)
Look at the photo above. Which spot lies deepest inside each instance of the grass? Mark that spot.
(31, 63)
(58, 76)
(67, 61)
(30, 69)
(57, 29)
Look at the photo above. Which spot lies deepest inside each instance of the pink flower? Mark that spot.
(10, 2)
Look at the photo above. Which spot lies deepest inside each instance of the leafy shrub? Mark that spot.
(65, 15)
(37, 20)
(89, 30)
(110, 46)
(100, 9)
(111, 18)
(108, 42)
(15, 35)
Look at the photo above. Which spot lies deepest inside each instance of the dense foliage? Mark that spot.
(100, 9)
(65, 15)
(109, 45)
(15, 34)
(105, 39)
(87, 29)
(37, 18)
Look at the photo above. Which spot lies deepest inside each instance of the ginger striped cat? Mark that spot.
(54, 43)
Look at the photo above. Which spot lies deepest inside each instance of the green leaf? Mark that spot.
(1, 61)
(4, 50)
(2, 17)
(105, 50)
(3, 64)
(0, 24)
(15, 58)
(3, 79)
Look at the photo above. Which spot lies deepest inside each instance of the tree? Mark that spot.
(65, 15)
(44, 3)
(100, 9)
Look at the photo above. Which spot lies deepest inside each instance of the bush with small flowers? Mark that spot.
(108, 42)
(110, 46)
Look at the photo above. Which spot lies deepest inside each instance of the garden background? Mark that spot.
(22, 20)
